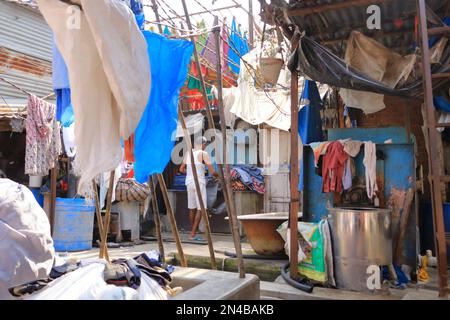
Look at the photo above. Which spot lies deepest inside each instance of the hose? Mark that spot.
(306, 287)
(256, 256)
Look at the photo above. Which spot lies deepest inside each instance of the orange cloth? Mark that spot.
(129, 149)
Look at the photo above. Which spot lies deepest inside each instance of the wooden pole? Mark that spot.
(104, 245)
(435, 163)
(172, 220)
(158, 20)
(293, 210)
(53, 178)
(197, 188)
(98, 213)
(251, 31)
(228, 192)
(156, 217)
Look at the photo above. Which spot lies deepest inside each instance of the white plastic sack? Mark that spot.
(109, 73)
(26, 245)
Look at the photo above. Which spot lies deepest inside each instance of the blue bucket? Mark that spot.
(38, 196)
(74, 224)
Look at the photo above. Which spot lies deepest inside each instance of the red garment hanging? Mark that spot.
(333, 165)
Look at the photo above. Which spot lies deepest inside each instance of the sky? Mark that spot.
(193, 7)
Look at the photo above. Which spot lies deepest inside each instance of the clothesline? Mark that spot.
(23, 90)
(246, 64)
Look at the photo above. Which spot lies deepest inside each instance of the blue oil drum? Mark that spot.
(74, 223)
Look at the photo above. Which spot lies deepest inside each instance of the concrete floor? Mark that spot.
(271, 286)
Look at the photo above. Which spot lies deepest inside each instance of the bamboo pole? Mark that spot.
(172, 220)
(228, 192)
(197, 188)
(156, 217)
(158, 20)
(53, 181)
(104, 243)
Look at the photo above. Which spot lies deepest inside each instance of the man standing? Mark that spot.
(201, 159)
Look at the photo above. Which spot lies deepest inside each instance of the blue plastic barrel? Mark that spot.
(38, 196)
(74, 224)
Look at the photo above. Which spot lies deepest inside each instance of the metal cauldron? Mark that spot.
(361, 237)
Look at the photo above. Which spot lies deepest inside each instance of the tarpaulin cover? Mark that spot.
(318, 63)
(153, 138)
(238, 48)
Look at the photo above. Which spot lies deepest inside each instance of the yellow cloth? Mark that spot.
(423, 274)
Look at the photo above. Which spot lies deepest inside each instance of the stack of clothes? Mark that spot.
(244, 177)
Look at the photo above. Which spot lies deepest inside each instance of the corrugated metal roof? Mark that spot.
(25, 53)
(334, 26)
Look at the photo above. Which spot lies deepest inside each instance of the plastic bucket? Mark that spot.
(35, 182)
(74, 223)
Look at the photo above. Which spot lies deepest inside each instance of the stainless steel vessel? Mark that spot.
(361, 238)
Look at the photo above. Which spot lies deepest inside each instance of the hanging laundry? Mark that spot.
(43, 142)
(237, 48)
(69, 140)
(159, 122)
(333, 167)
(319, 149)
(110, 83)
(347, 177)
(309, 121)
(370, 164)
(352, 147)
(61, 83)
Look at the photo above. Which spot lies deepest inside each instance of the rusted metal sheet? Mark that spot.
(10, 59)
(25, 53)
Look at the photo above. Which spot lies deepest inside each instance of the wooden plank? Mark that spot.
(403, 224)
(301, 12)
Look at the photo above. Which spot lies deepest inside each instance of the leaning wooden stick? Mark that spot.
(187, 137)
(228, 192)
(99, 221)
(108, 215)
(173, 223)
(156, 217)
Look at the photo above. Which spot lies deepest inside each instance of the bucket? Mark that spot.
(270, 69)
(74, 223)
(38, 196)
(35, 182)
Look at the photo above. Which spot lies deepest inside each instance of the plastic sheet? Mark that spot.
(153, 137)
(318, 63)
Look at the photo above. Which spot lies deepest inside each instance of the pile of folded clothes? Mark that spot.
(244, 177)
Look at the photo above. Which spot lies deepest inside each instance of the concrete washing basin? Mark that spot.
(201, 284)
(261, 231)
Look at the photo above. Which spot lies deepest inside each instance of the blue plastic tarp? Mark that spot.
(238, 48)
(169, 61)
(309, 121)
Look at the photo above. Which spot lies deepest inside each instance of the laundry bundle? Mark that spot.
(244, 177)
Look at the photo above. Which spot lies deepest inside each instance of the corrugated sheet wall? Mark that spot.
(25, 53)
